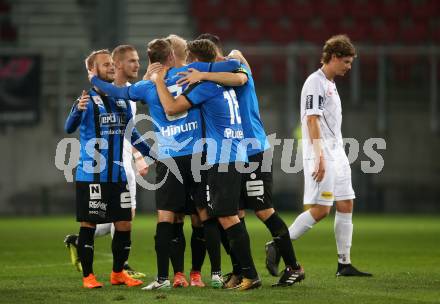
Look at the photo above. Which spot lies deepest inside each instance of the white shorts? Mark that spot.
(335, 186)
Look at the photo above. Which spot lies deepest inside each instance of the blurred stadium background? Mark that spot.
(392, 91)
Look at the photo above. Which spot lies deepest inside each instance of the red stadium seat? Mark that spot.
(223, 30)
(384, 32)
(299, 10)
(362, 9)
(268, 9)
(206, 9)
(394, 9)
(330, 10)
(415, 34)
(316, 34)
(280, 33)
(249, 32)
(242, 9)
(357, 30)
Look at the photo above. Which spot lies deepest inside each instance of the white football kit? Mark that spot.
(319, 96)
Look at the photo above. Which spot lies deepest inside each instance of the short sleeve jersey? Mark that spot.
(221, 115)
(319, 96)
(250, 115)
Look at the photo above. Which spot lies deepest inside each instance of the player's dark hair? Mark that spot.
(120, 50)
(213, 38)
(340, 46)
(90, 60)
(158, 50)
(202, 49)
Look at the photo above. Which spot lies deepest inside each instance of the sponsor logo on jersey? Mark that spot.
(121, 103)
(320, 102)
(309, 102)
(229, 133)
(125, 200)
(327, 195)
(177, 129)
(97, 205)
(255, 188)
(97, 100)
(112, 119)
(95, 191)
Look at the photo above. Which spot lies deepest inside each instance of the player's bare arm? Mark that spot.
(170, 105)
(315, 137)
(236, 54)
(223, 78)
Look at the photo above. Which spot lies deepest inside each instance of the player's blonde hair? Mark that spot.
(119, 51)
(340, 46)
(90, 60)
(179, 46)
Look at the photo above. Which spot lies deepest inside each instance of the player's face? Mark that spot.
(105, 67)
(342, 65)
(130, 64)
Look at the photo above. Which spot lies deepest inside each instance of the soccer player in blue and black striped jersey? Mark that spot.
(257, 185)
(221, 116)
(177, 136)
(102, 194)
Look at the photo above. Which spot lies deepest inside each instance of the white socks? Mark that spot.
(343, 235)
(103, 229)
(301, 225)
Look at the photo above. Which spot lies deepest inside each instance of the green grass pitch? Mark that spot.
(403, 253)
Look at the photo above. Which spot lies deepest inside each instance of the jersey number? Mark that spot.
(233, 106)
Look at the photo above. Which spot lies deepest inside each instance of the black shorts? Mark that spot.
(102, 202)
(256, 187)
(174, 195)
(224, 190)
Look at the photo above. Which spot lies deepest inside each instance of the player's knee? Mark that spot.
(320, 212)
(241, 213)
(123, 226)
(264, 214)
(165, 216)
(196, 221)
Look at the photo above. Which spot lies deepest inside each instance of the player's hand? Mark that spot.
(83, 100)
(159, 75)
(141, 166)
(92, 72)
(152, 68)
(235, 54)
(133, 213)
(190, 77)
(319, 172)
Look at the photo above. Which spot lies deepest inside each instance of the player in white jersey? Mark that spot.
(126, 62)
(327, 173)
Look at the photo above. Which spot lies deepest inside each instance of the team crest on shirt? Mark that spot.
(309, 102)
(97, 100)
(121, 103)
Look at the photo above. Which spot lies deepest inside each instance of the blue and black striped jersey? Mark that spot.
(102, 129)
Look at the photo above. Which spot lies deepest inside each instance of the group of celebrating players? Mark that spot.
(210, 162)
